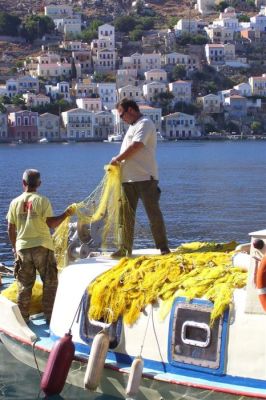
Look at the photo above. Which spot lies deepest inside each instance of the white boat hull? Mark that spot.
(237, 365)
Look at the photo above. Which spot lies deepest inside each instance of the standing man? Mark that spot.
(30, 216)
(139, 176)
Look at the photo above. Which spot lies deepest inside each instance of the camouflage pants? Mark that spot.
(28, 262)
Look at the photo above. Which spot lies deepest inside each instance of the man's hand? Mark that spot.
(114, 161)
(71, 210)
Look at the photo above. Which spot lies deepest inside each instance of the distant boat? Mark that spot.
(115, 138)
(43, 140)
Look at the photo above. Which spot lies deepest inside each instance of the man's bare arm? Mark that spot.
(133, 148)
(12, 234)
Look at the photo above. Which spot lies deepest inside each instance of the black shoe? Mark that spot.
(165, 250)
(120, 253)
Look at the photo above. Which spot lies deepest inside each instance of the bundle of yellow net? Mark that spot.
(102, 205)
(194, 270)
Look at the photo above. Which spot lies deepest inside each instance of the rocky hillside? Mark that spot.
(113, 8)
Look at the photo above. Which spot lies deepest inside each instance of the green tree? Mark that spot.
(17, 100)
(189, 38)
(146, 23)
(2, 108)
(5, 100)
(92, 31)
(243, 18)
(73, 69)
(125, 23)
(164, 101)
(136, 35)
(179, 72)
(222, 6)
(100, 77)
(256, 127)
(35, 26)
(172, 21)
(209, 128)
(9, 24)
(186, 108)
(13, 70)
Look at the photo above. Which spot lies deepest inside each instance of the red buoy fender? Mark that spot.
(261, 282)
(58, 365)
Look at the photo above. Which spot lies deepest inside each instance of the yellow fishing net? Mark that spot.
(102, 210)
(11, 294)
(193, 270)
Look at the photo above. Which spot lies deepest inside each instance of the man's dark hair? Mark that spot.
(126, 103)
(32, 177)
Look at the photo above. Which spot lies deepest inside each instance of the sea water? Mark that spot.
(213, 191)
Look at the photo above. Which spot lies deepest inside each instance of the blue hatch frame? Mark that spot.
(224, 334)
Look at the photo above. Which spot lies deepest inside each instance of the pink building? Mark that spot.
(23, 125)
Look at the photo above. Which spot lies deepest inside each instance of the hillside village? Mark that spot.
(200, 74)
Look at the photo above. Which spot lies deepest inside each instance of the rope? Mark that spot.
(158, 343)
(34, 356)
(77, 314)
(145, 333)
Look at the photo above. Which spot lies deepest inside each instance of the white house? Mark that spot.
(50, 65)
(105, 60)
(106, 32)
(79, 124)
(93, 104)
(49, 126)
(21, 84)
(104, 124)
(61, 89)
(131, 92)
(219, 34)
(215, 54)
(244, 89)
(152, 89)
(258, 22)
(142, 62)
(158, 75)
(227, 19)
(189, 25)
(190, 61)
(211, 103)
(58, 11)
(180, 125)
(35, 100)
(107, 93)
(85, 88)
(73, 45)
(181, 90)
(258, 85)
(71, 26)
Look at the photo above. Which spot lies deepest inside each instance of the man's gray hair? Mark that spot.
(32, 177)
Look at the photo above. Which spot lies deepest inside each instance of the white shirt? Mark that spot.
(142, 165)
